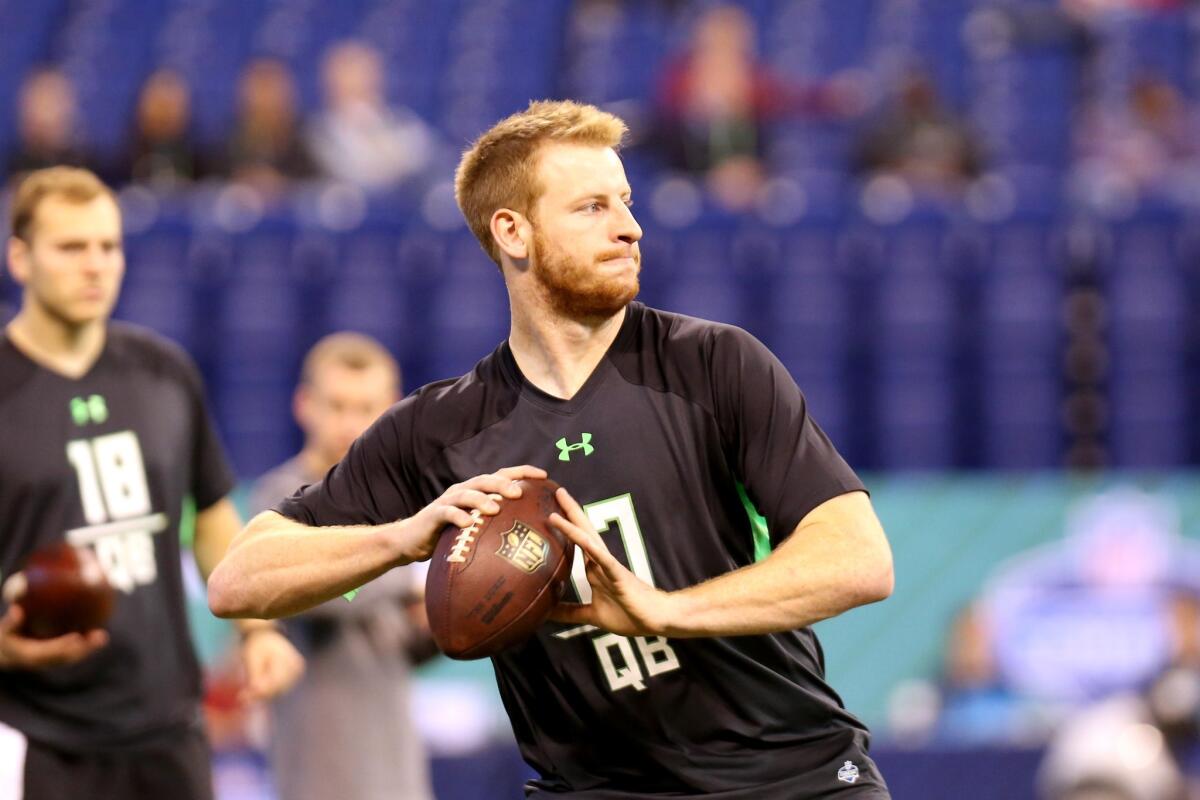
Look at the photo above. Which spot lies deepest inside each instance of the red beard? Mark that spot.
(580, 291)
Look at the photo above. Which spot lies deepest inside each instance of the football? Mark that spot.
(62, 590)
(490, 586)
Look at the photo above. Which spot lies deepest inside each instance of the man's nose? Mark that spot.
(626, 228)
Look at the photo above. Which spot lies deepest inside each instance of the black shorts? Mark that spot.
(176, 766)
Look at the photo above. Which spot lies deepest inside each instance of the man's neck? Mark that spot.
(556, 354)
(69, 350)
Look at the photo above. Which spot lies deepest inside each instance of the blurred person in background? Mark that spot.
(1145, 145)
(1094, 615)
(1094, 790)
(1134, 744)
(357, 137)
(163, 155)
(919, 140)
(47, 125)
(266, 150)
(717, 100)
(103, 433)
(346, 730)
(976, 705)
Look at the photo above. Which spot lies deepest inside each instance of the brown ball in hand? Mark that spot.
(490, 586)
(62, 590)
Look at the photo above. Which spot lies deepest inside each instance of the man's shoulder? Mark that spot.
(448, 411)
(680, 332)
(674, 352)
(136, 346)
(15, 369)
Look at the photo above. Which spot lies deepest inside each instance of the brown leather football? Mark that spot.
(490, 586)
(61, 590)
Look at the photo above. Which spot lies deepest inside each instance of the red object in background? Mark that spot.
(492, 585)
(64, 591)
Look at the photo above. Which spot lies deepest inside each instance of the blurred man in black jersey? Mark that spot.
(103, 435)
(717, 520)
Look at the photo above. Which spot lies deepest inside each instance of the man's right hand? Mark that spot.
(21, 652)
(456, 503)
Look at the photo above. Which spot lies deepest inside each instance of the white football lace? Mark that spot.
(462, 543)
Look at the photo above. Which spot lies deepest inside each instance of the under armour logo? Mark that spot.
(89, 409)
(584, 444)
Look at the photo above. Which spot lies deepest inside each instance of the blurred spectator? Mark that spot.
(346, 730)
(266, 150)
(919, 140)
(46, 125)
(1130, 746)
(163, 154)
(716, 101)
(1094, 790)
(1142, 145)
(1095, 615)
(356, 137)
(1085, 8)
(977, 706)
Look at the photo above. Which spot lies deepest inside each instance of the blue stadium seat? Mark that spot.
(914, 418)
(1151, 417)
(256, 423)
(1020, 425)
(156, 291)
(467, 320)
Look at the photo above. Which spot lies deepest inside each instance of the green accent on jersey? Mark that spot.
(89, 409)
(350, 595)
(98, 409)
(79, 411)
(758, 526)
(187, 521)
(565, 450)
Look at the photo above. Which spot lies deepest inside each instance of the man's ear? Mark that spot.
(302, 406)
(18, 259)
(511, 231)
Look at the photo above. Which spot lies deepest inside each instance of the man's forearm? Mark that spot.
(825, 568)
(276, 566)
(778, 594)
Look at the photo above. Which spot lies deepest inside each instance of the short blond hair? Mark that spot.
(498, 171)
(354, 351)
(73, 184)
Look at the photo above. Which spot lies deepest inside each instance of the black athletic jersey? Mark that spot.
(682, 431)
(106, 462)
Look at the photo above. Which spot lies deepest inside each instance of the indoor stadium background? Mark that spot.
(1011, 361)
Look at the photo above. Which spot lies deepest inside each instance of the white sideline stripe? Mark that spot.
(571, 633)
(151, 523)
(13, 747)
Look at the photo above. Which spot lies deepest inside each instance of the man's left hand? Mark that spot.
(621, 602)
(272, 663)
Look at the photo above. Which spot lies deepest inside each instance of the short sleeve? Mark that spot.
(785, 461)
(373, 484)
(212, 476)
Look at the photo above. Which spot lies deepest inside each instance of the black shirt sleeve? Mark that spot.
(785, 461)
(373, 484)
(212, 476)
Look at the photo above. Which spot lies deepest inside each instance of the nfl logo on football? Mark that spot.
(524, 547)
